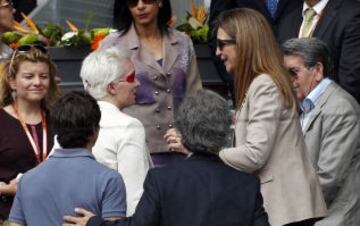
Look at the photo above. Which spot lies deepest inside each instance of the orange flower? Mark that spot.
(193, 9)
(95, 43)
(71, 26)
(30, 23)
(14, 45)
(18, 27)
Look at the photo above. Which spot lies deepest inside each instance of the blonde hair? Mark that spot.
(257, 52)
(11, 67)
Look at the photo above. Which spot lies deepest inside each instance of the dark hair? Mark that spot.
(123, 19)
(312, 50)
(203, 121)
(75, 118)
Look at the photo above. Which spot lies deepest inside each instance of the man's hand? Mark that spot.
(83, 218)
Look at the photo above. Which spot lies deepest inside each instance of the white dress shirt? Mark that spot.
(310, 101)
(121, 146)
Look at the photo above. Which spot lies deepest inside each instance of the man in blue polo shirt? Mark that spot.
(70, 177)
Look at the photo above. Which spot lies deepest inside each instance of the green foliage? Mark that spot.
(28, 39)
(11, 37)
(53, 32)
(199, 35)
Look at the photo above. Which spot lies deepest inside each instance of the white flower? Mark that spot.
(67, 36)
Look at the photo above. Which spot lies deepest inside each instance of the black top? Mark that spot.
(198, 191)
(16, 153)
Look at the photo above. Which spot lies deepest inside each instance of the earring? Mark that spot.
(160, 5)
(13, 94)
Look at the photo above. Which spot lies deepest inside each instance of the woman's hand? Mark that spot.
(10, 188)
(173, 139)
(81, 220)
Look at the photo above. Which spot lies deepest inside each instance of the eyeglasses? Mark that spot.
(9, 4)
(294, 71)
(129, 78)
(133, 3)
(221, 43)
(24, 49)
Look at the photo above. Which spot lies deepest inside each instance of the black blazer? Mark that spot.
(284, 7)
(199, 191)
(339, 28)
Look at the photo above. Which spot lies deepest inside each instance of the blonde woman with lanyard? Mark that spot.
(27, 89)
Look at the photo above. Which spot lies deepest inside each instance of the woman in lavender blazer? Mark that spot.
(165, 65)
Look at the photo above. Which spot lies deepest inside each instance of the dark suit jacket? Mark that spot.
(339, 27)
(200, 190)
(218, 6)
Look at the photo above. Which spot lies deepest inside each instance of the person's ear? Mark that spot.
(319, 71)
(111, 89)
(12, 83)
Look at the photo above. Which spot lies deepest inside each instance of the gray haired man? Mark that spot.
(330, 124)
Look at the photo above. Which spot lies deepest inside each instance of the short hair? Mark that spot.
(203, 121)
(75, 118)
(123, 18)
(100, 68)
(11, 68)
(312, 50)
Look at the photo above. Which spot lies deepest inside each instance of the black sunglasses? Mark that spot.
(23, 49)
(221, 43)
(133, 3)
(8, 4)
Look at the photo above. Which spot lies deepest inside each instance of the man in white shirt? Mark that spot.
(110, 78)
(331, 128)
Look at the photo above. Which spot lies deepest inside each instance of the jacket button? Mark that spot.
(158, 127)
(170, 125)
(168, 90)
(156, 92)
(169, 108)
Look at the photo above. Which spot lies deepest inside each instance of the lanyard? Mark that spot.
(35, 146)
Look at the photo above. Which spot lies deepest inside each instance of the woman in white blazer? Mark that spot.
(268, 138)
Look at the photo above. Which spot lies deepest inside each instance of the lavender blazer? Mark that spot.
(162, 86)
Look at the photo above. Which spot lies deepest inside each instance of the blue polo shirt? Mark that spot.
(69, 178)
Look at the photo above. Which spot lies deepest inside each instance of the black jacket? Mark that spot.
(339, 28)
(199, 191)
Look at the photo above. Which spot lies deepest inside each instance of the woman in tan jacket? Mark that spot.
(268, 138)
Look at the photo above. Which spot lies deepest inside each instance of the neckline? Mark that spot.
(7, 114)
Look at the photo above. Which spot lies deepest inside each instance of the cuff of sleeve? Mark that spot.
(95, 221)
(16, 220)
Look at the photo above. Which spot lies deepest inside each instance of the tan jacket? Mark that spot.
(269, 144)
(162, 88)
(332, 138)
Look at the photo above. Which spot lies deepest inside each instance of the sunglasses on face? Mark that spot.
(9, 4)
(221, 43)
(128, 78)
(133, 3)
(24, 49)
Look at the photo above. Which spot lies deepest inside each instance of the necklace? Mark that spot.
(35, 142)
